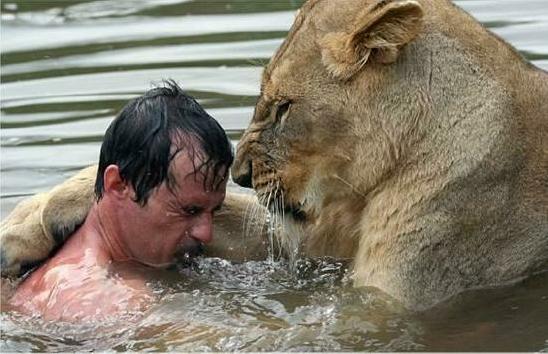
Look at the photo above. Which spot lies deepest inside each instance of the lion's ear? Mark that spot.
(379, 32)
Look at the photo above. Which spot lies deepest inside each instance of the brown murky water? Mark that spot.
(67, 68)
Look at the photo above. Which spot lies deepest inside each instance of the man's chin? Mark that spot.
(184, 255)
(159, 265)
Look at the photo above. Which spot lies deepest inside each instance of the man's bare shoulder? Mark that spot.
(71, 288)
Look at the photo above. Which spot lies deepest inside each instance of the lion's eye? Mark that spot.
(282, 109)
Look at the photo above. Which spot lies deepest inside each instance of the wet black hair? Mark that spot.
(151, 129)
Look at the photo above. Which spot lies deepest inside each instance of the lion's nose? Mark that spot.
(241, 172)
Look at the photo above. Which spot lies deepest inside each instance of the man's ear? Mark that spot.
(378, 33)
(114, 184)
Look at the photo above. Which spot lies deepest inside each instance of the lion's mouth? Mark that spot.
(278, 200)
(296, 212)
(276, 205)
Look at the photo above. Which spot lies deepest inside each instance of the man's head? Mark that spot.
(151, 129)
(162, 174)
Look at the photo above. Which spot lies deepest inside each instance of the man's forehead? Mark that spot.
(189, 168)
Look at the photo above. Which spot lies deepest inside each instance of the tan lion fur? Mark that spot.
(37, 225)
(416, 143)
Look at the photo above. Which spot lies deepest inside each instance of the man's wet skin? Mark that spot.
(80, 281)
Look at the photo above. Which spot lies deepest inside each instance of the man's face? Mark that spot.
(179, 217)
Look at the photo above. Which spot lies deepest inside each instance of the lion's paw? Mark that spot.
(22, 239)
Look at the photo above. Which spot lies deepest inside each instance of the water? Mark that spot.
(68, 67)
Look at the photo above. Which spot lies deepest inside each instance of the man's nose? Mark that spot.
(203, 230)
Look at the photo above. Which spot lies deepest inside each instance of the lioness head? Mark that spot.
(323, 130)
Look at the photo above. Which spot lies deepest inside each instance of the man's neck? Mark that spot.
(100, 230)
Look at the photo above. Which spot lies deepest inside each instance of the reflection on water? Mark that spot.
(68, 67)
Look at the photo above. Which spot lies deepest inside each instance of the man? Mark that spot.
(162, 176)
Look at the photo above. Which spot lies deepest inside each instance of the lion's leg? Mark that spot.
(22, 238)
(68, 205)
(240, 229)
(37, 225)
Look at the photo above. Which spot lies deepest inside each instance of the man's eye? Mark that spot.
(192, 210)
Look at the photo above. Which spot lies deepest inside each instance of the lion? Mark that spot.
(405, 136)
(400, 134)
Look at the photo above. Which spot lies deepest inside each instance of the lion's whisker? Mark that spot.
(354, 189)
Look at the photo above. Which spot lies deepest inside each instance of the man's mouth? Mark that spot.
(186, 253)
